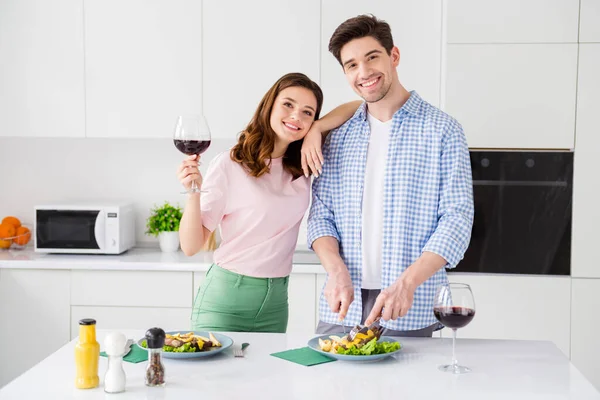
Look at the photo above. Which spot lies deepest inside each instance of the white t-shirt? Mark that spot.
(372, 204)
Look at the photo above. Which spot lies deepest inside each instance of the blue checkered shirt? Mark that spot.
(427, 202)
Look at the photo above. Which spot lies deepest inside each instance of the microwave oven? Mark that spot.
(84, 229)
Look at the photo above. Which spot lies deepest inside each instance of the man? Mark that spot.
(393, 206)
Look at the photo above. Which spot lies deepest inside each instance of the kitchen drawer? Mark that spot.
(128, 318)
(131, 288)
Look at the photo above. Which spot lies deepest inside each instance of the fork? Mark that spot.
(352, 334)
(240, 352)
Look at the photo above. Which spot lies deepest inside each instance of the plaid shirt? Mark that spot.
(427, 203)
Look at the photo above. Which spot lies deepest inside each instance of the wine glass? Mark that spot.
(191, 136)
(454, 307)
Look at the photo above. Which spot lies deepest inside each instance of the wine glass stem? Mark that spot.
(194, 187)
(454, 360)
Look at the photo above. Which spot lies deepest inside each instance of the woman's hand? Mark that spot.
(311, 154)
(188, 171)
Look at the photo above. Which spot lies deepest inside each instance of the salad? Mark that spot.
(364, 344)
(187, 343)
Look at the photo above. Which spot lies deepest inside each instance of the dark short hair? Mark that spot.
(360, 27)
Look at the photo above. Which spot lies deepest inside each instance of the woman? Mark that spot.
(258, 194)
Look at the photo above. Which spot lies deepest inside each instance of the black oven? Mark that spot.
(523, 203)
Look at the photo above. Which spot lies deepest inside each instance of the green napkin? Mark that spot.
(303, 356)
(136, 355)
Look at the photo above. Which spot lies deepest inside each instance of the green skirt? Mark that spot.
(231, 302)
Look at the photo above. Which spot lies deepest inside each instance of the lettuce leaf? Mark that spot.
(186, 348)
(371, 348)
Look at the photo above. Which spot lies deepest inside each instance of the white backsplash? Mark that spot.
(46, 170)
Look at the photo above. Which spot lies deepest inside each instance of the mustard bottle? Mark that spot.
(87, 354)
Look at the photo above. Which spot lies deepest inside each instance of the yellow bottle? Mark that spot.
(87, 354)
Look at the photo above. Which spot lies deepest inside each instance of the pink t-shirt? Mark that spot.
(259, 217)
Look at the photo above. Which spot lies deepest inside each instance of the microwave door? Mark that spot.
(65, 230)
(99, 231)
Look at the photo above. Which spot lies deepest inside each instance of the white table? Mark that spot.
(501, 370)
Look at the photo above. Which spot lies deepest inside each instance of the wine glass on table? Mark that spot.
(454, 307)
(191, 137)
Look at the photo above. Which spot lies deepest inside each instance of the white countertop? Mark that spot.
(136, 259)
(501, 370)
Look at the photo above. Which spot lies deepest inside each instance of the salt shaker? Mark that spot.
(114, 380)
(155, 371)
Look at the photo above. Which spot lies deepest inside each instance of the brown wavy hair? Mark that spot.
(257, 142)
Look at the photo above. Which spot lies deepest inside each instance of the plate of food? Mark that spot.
(367, 345)
(192, 344)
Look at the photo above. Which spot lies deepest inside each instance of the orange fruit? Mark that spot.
(12, 221)
(4, 244)
(23, 235)
(7, 230)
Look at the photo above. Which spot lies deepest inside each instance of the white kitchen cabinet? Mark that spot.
(502, 95)
(585, 351)
(301, 298)
(513, 21)
(143, 65)
(518, 307)
(127, 318)
(417, 32)
(131, 288)
(34, 318)
(244, 57)
(589, 24)
(586, 185)
(41, 72)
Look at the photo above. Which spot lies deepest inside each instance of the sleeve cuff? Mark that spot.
(317, 231)
(446, 247)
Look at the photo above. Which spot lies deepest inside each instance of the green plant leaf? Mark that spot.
(165, 218)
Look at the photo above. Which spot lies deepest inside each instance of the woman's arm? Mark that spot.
(197, 224)
(335, 117)
(311, 156)
(192, 233)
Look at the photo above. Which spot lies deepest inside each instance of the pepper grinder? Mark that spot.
(114, 380)
(155, 371)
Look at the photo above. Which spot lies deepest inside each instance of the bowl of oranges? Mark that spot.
(13, 234)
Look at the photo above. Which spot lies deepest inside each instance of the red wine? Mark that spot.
(190, 147)
(454, 317)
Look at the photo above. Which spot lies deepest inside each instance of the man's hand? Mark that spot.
(395, 301)
(339, 292)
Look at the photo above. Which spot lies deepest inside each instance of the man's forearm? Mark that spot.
(328, 250)
(422, 269)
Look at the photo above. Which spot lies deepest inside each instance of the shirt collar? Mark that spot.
(411, 106)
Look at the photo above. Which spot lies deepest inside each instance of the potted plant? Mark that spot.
(164, 223)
